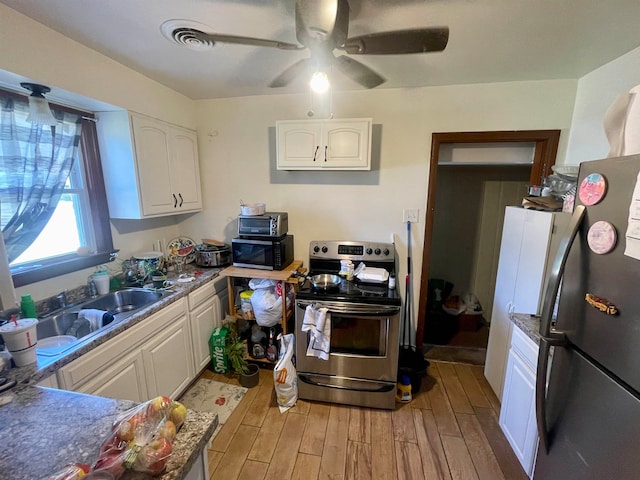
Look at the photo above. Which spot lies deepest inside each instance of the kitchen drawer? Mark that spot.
(526, 348)
(77, 372)
(206, 292)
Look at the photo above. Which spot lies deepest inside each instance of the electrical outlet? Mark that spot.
(410, 215)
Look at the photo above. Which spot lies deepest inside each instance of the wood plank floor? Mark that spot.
(449, 431)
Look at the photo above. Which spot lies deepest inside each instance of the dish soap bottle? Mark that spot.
(403, 392)
(28, 307)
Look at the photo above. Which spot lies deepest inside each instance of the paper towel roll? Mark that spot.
(632, 125)
(622, 124)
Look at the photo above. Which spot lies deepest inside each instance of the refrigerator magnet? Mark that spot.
(592, 189)
(602, 237)
(601, 304)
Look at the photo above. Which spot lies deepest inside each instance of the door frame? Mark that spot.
(546, 149)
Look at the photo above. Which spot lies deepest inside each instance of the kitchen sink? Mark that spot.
(124, 300)
(66, 325)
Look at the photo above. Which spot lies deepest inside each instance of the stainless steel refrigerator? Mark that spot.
(588, 414)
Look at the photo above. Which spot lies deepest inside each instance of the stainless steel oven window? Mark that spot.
(356, 335)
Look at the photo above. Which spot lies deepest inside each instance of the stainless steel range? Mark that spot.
(364, 317)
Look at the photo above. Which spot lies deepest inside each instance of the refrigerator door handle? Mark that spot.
(555, 338)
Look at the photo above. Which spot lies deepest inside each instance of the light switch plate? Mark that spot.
(410, 215)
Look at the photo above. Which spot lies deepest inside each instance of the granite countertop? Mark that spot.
(44, 429)
(529, 324)
(47, 366)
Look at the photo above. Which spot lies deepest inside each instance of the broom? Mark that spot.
(410, 361)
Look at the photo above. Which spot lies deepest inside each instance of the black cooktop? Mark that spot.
(352, 291)
(325, 257)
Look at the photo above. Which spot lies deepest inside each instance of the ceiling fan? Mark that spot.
(322, 27)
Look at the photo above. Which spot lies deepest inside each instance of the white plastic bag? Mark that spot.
(266, 303)
(285, 378)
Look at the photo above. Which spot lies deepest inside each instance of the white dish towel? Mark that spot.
(318, 323)
(94, 317)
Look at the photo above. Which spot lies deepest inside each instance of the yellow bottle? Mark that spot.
(403, 392)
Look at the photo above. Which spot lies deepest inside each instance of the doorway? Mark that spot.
(465, 209)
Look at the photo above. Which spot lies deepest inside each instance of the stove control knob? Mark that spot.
(377, 251)
(325, 249)
(385, 251)
(316, 249)
(369, 251)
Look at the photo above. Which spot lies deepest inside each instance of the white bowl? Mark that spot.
(253, 209)
(567, 170)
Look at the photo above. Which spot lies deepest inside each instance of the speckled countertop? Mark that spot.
(43, 429)
(529, 324)
(47, 366)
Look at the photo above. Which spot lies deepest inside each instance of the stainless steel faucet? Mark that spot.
(62, 299)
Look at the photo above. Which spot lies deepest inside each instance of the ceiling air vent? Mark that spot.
(181, 32)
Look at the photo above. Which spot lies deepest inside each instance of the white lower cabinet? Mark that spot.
(51, 381)
(200, 468)
(206, 311)
(168, 360)
(518, 410)
(152, 358)
(124, 379)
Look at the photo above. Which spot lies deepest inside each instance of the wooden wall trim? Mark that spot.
(545, 152)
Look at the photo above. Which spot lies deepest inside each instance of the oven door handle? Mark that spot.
(352, 308)
(307, 379)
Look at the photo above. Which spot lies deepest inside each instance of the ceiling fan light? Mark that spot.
(40, 112)
(319, 82)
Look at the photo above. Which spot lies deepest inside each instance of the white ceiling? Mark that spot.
(490, 40)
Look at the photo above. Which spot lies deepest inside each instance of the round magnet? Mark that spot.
(592, 189)
(602, 237)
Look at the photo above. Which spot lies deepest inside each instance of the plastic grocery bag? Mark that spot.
(142, 438)
(285, 378)
(73, 471)
(266, 303)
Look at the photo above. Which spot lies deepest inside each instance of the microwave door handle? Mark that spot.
(547, 337)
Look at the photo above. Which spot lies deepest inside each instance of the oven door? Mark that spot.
(364, 341)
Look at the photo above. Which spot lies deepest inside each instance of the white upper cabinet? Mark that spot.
(324, 144)
(150, 167)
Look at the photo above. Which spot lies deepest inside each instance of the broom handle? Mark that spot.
(406, 336)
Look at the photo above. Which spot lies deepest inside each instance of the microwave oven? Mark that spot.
(269, 224)
(262, 253)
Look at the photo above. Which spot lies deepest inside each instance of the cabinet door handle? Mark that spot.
(181, 200)
(325, 153)
(316, 152)
(547, 337)
(175, 200)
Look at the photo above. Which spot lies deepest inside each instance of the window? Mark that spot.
(80, 218)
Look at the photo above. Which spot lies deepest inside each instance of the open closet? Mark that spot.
(473, 177)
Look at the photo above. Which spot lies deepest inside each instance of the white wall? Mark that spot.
(28, 50)
(237, 149)
(237, 152)
(596, 92)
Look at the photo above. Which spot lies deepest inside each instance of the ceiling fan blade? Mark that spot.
(318, 21)
(216, 37)
(398, 42)
(295, 70)
(358, 72)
